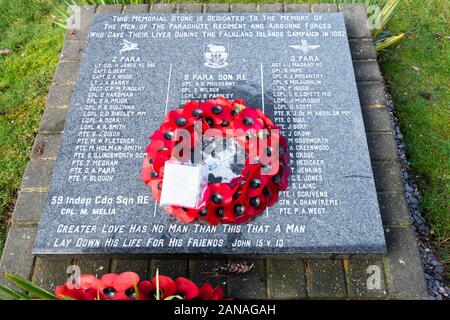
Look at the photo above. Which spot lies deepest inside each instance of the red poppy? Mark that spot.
(177, 119)
(167, 137)
(207, 292)
(247, 119)
(186, 288)
(190, 109)
(122, 287)
(167, 286)
(183, 214)
(153, 148)
(268, 123)
(147, 169)
(219, 110)
(146, 290)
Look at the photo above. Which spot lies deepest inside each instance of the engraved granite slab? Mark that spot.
(296, 67)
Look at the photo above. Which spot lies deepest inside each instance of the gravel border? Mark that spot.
(434, 270)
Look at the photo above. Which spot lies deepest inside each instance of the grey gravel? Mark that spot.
(435, 274)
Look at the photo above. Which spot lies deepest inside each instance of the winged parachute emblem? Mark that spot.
(304, 46)
(128, 46)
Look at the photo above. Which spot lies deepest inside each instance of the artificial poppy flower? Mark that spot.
(167, 137)
(220, 193)
(122, 286)
(153, 148)
(268, 123)
(183, 214)
(156, 188)
(147, 169)
(218, 110)
(186, 288)
(178, 118)
(209, 214)
(83, 282)
(160, 158)
(248, 119)
(193, 109)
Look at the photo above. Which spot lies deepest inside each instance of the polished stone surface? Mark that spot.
(296, 67)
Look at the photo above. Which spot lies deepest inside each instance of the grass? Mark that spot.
(417, 73)
(25, 28)
(418, 76)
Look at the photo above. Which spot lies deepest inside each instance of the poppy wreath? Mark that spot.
(129, 286)
(246, 195)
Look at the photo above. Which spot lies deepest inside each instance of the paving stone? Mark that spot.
(404, 267)
(326, 279)
(217, 7)
(38, 174)
(93, 265)
(136, 8)
(72, 51)
(286, 279)
(140, 266)
(387, 176)
(171, 267)
(355, 20)
(325, 7)
(362, 50)
(50, 272)
(110, 8)
(190, 8)
(82, 23)
(394, 209)
(382, 147)
(29, 206)
(366, 279)
(66, 72)
(251, 285)
(163, 8)
(298, 7)
(45, 146)
(376, 119)
(201, 271)
(371, 94)
(53, 120)
(366, 71)
(271, 7)
(60, 95)
(16, 257)
(242, 8)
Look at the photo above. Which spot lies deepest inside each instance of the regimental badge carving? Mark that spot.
(304, 46)
(128, 46)
(216, 55)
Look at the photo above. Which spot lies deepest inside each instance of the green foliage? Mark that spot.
(33, 292)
